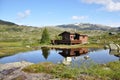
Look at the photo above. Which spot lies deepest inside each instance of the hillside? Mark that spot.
(78, 26)
(86, 26)
(2, 22)
(115, 29)
(12, 32)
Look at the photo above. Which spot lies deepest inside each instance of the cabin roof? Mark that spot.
(65, 32)
(83, 35)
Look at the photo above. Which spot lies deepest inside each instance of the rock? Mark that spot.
(106, 47)
(21, 77)
(67, 61)
(28, 46)
(112, 33)
(1, 64)
(13, 71)
(14, 65)
(55, 79)
(113, 47)
(8, 71)
(118, 46)
(86, 57)
(106, 68)
(114, 52)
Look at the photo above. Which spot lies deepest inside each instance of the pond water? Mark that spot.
(65, 56)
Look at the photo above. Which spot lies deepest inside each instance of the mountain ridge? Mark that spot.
(86, 26)
(3, 22)
(76, 26)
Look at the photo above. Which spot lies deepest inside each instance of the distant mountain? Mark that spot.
(119, 28)
(2, 22)
(86, 26)
(115, 29)
(67, 27)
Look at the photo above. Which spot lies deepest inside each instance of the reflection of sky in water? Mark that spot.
(99, 56)
(102, 56)
(33, 56)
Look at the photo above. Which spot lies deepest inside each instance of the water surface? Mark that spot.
(66, 56)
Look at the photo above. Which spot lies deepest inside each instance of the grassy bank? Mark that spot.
(109, 71)
(75, 46)
(10, 48)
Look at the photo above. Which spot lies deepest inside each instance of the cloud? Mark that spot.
(109, 5)
(79, 17)
(114, 24)
(22, 15)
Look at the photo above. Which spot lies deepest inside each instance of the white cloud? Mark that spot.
(22, 15)
(114, 24)
(27, 12)
(79, 17)
(109, 5)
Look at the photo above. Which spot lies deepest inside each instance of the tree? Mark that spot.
(45, 37)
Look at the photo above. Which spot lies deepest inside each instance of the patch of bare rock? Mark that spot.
(13, 71)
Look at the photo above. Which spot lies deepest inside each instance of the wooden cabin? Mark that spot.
(71, 38)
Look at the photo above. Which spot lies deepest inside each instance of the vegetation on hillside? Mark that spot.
(106, 39)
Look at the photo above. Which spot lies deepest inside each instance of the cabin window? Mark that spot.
(76, 36)
(83, 36)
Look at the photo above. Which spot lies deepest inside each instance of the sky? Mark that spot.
(57, 12)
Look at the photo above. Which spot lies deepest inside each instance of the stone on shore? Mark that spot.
(113, 47)
(21, 64)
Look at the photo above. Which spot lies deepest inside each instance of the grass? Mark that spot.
(74, 46)
(10, 44)
(109, 71)
(12, 50)
(57, 70)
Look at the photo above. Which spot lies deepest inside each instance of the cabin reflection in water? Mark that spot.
(68, 54)
(73, 52)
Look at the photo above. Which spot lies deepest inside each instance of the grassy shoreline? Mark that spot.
(12, 48)
(75, 46)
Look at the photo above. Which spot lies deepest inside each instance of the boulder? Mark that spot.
(113, 47)
(118, 46)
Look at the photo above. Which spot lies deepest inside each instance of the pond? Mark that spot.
(65, 56)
